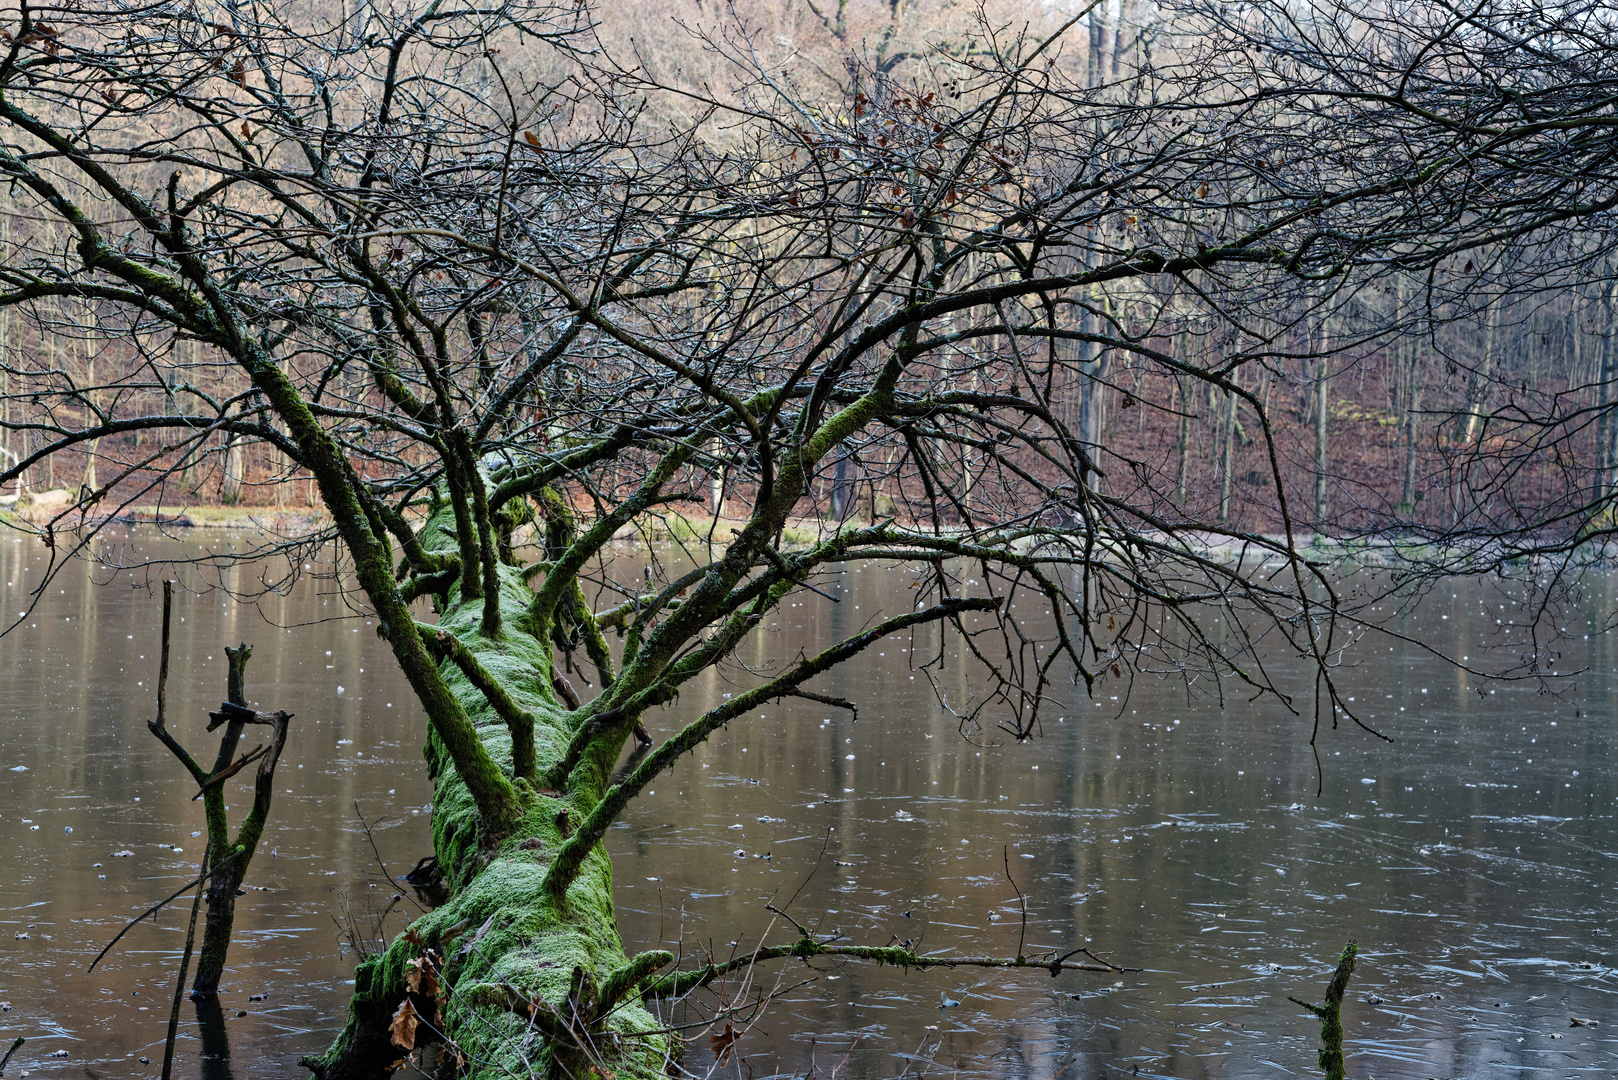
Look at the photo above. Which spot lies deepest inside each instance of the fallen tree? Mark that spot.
(447, 271)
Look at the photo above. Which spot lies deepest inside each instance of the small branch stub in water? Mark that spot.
(228, 858)
(1331, 1014)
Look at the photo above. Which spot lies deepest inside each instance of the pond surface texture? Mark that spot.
(1473, 859)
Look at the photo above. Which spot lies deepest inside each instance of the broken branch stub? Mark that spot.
(229, 857)
(1331, 1014)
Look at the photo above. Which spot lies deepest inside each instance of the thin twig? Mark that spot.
(158, 906)
(179, 986)
(1022, 935)
(826, 699)
(1110, 966)
(226, 773)
(369, 839)
(13, 1050)
(809, 876)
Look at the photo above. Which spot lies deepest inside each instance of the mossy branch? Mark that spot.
(602, 723)
(627, 979)
(342, 492)
(1331, 1014)
(424, 584)
(566, 564)
(519, 721)
(678, 983)
(417, 557)
(595, 643)
(488, 557)
(618, 616)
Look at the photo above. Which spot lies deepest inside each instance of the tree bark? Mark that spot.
(1408, 358)
(1227, 454)
(1607, 427)
(1182, 405)
(1092, 366)
(230, 485)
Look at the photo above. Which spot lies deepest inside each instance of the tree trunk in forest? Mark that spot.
(90, 481)
(1606, 397)
(1103, 45)
(1407, 358)
(1182, 405)
(8, 456)
(182, 375)
(842, 488)
(1322, 501)
(1477, 385)
(1227, 454)
(8, 451)
(1477, 392)
(521, 981)
(1407, 425)
(1092, 364)
(230, 484)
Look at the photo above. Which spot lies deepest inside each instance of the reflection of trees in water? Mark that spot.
(1020, 1055)
(215, 1039)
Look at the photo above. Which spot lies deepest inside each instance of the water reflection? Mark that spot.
(1472, 860)
(215, 1040)
(85, 779)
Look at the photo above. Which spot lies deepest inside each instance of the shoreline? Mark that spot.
(51, 505)
(1383, 552)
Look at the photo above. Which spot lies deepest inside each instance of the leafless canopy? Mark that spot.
(476, 278)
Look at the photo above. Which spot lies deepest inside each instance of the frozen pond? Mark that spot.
(1473, 859)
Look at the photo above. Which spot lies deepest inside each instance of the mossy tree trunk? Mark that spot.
(236, 855)
(525, 970)
(505, 947)
(1331, 1014)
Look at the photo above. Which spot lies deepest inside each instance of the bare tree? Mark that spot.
(502, 300)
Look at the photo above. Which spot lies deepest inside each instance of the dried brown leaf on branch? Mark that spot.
(402, 1031)
(420, 978)
(721, 1043)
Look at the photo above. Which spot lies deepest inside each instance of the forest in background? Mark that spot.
(1404, 403)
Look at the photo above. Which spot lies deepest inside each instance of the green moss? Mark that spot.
(505, 941)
